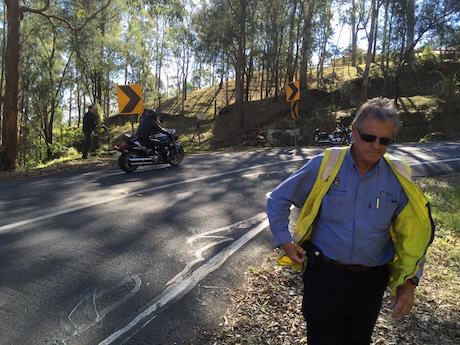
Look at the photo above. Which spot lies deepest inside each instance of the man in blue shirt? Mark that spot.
(343, 289)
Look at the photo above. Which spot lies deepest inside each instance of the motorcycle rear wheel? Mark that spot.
(124, 163)
(178, 157)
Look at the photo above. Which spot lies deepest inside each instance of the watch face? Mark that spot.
(414, 280)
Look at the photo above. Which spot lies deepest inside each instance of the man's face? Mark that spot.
(371, 152)
(92, 110)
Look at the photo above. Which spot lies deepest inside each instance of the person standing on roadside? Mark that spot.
(89, 126)
(363, 226)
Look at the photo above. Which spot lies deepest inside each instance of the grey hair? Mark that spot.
(378, 108)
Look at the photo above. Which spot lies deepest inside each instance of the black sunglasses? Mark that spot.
(368, 138)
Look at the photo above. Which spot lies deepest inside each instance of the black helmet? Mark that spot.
(153, 113)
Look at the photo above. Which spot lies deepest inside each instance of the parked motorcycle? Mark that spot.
(132, 153)
(340, 136)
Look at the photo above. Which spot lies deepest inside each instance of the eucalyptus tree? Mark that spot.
(152, 25)
(10, 135)
(294, 37)
(357, 12)
(324, 34)
(226, 27)
(240, 15)
(429, 14)
(214, 35)
(95, 51)
(309, 8)
(43, 48)
(371, 42)
(274, 19)
(385, 53)
(183, 55)
(254, 47)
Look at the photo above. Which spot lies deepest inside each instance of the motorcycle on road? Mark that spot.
(340, 136)
(132, 153)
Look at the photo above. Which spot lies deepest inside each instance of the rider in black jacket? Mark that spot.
(149, 125)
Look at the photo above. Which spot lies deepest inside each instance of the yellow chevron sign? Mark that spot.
(130, 99)
(293, 91)
(295, 110)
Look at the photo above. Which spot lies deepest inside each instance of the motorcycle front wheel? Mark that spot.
(124, 163)
(178, 157)
(349, 139)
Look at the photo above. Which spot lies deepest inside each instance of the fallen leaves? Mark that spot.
(267, 310)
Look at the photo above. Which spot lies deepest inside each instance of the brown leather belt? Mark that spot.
(352, 268)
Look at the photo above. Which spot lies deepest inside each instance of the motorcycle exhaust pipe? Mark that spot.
(140, 161)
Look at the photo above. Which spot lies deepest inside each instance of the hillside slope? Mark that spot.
(425, 116)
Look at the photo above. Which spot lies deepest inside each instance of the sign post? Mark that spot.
(293, 96)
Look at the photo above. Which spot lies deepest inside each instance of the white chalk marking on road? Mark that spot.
(176, 291)
(91, 314)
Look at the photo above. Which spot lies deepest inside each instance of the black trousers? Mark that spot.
(87, 144)
(341, 306)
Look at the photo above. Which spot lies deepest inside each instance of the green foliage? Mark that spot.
(429, 56)
(70, 136)
(71, 154)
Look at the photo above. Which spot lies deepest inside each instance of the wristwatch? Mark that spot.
(414, 280)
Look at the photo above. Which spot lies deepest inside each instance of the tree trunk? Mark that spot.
(79, 107)
(249, 75)
(10, 138)
(240, 64)
(369, 50)
(306, 47)
(410, 30)
(376, 31)
(70, 107)
(354, 35)
(3, 70)
(385, 40)
(290, 55)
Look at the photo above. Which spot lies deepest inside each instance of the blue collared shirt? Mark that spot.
(353, 223)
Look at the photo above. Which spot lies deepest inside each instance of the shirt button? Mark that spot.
(356, 254)
(357, 236)
(357, 217)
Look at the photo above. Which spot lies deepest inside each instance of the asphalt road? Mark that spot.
(106, 257)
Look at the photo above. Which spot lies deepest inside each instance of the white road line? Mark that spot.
(7, 227)
(175, 292)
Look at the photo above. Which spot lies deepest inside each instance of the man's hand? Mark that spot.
(294, 251)
(404, 300)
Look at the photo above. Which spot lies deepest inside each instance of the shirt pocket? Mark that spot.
(333, 207)
(383, 211)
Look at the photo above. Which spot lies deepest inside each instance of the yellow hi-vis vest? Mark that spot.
(412, 231)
